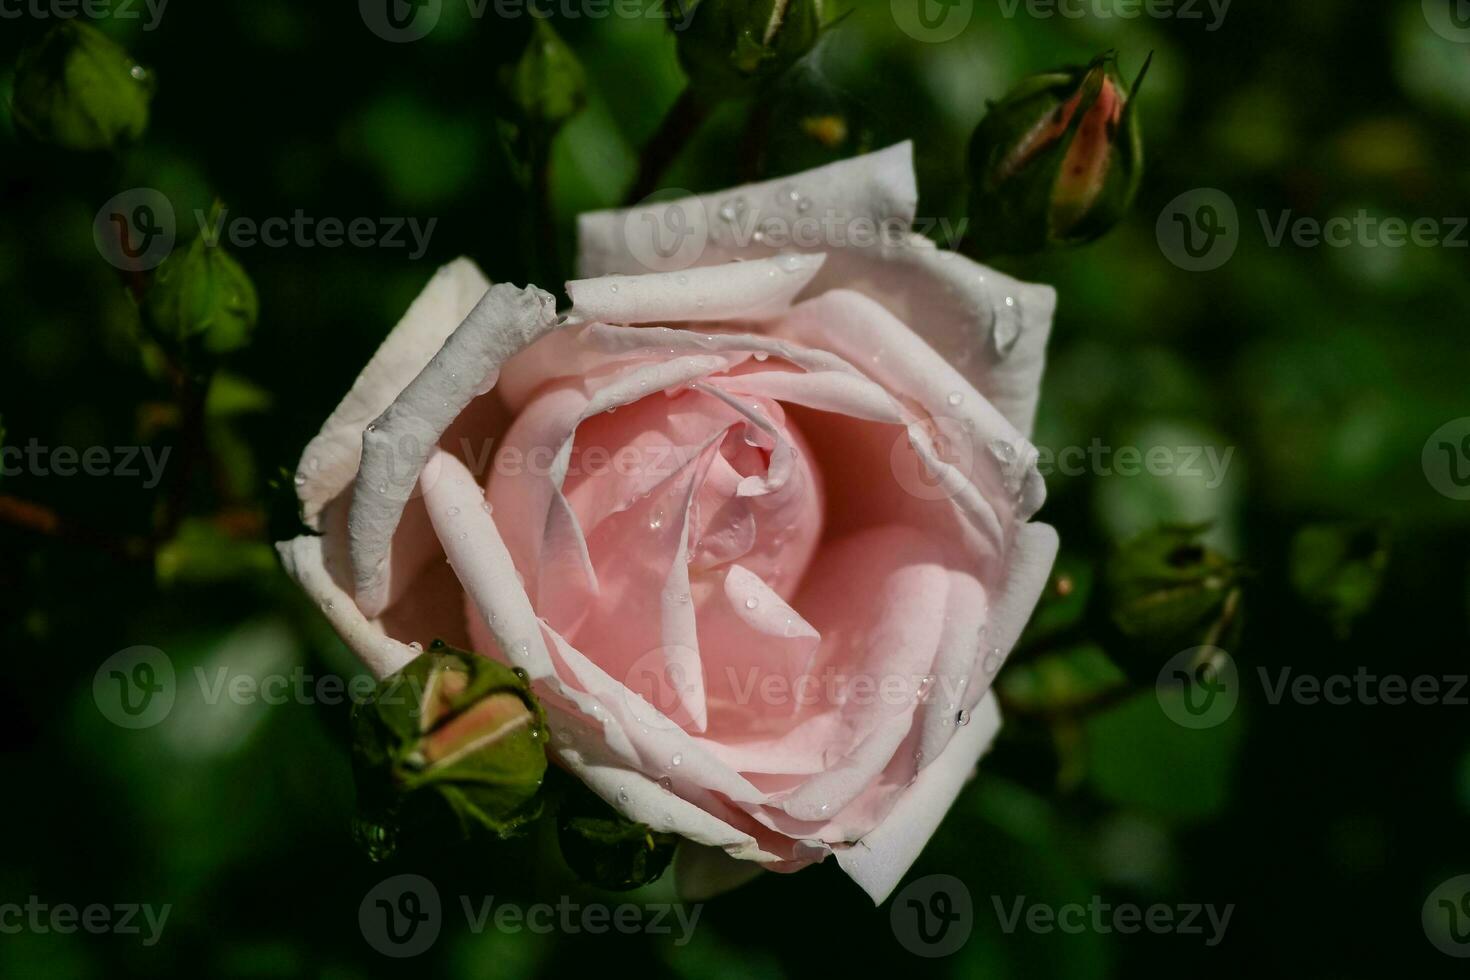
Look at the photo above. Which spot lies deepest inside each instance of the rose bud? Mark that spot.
(1164, 591)
(202, 298)
(1055, 162)
(450, 729)
(77, 89)
(546, 85)
(727, 47)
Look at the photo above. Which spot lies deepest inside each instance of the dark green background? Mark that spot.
(1327, 369)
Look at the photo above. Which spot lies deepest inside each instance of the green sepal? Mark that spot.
(451, 733)
(605, 848)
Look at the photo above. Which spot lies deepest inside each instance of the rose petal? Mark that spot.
(398, 444)
(884, 855)
(330, 460)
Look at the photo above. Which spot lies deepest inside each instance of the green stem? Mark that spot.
(678, 127)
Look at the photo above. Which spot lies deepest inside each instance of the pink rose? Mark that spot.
(756, 525)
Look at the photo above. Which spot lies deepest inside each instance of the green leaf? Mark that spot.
(1137, 757)
(75, 88)
(1059, 682)
(1338, 568)
(202, 552)
(605, 848)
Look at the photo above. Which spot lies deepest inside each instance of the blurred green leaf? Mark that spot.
(77, 89)
(202, 552)
(1138, 757)
(1338, 568)
(1057, 683)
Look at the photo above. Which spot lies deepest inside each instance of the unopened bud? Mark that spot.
(728, 47)
(1056, 162)
(77, 89)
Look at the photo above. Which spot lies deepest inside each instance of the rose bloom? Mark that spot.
(753, 515)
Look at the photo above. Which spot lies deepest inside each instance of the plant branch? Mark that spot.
(673, 134)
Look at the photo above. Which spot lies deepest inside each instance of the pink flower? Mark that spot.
(757, 530)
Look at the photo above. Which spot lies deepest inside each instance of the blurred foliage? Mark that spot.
(1314, 374)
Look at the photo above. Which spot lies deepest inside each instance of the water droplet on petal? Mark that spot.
(656, 519)
(666, 783)
(955, 398)
(453, 512)
(1005, 330)
(623, 794)
(416, 646)
(300, 479)
(761, 355)
(963, 718)
(752, 602)
(677, 760)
